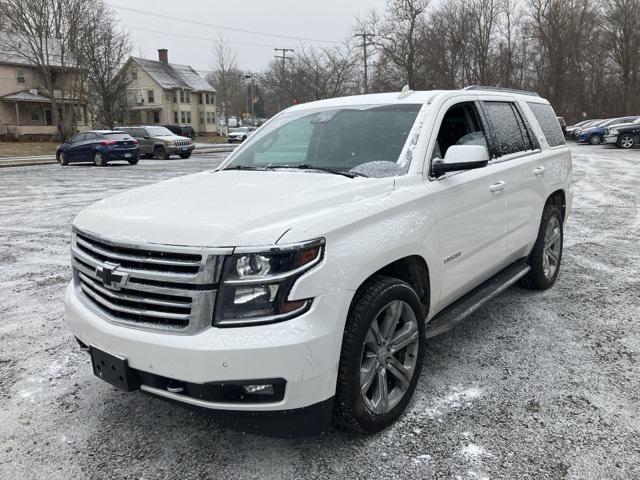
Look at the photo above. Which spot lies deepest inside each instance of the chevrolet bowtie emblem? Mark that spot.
(111, 278)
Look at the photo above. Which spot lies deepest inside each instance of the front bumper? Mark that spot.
(303, 351)
(179, 150)
(609, 139)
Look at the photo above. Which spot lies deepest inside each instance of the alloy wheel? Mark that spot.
(389, 357)
(626, 141)
(552, 247)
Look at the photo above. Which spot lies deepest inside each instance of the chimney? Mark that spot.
(163, 55)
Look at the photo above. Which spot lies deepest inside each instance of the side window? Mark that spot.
(81, 137)
(141, 133)
(90, 136)
(546, 117)
(76, 138)
(509, 133)
(460, 126)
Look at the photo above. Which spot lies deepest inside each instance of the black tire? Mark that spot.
(185, 155)
(160, 153)
(243, 138)
(62, 160)
(350, 409)
(99, 160)
(595, 139)
(133, 161)
(626, 141)
(537, 278)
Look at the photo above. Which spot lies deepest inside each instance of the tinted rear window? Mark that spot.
(117, 136)
(509, 133)
(546, 117)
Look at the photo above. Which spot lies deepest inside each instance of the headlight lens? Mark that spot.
(613, 131)
(255, 285)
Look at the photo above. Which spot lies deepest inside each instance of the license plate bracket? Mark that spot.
(113, 369)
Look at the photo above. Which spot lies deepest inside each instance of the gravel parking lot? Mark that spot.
(533, 386)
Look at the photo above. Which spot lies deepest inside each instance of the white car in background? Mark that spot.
(239, 135)
(298, 282)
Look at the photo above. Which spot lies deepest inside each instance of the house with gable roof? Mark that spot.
(163, 93)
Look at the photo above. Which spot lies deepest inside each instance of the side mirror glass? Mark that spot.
(146, 137)
(461, 157)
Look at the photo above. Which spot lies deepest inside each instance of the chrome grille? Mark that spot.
(182, 143)
(147, 286)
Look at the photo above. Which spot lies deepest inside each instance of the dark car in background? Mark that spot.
(626, 135)
(182, 130)
(570, 130)
(563, 126)
(594, 135)
(160, 142)
(99, 147)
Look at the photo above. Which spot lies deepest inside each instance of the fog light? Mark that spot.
(258, 389)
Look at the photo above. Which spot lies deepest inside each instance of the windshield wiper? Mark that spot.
(306, 166)
(242, 167)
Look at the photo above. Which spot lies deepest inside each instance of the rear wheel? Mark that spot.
(160, 153)
(99, 160)
(595, 139)
(133, 161)
(626, 141)
(546, 255)
(62, 160)
(381, 356)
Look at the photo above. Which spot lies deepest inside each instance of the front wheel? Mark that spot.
(99, 160)
(546, 255)
(133, 161)
(381, 355)
(626, 141)
(160, 153)
(62, 160)
(595, 139)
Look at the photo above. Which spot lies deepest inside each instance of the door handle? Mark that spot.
(538, 172)
(497, 187)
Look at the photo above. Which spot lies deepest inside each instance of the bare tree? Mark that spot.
(225, 77)
(47, 34)
(103, 51)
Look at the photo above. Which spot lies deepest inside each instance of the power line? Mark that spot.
(221, 27)
(197, 37)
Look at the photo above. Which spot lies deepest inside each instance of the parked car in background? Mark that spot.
(240, 134)
(182, 130)
(563, 126)
(300, 279)
(570, 130)
(99, 147)
(160, 142)
(594, 135)
(625, 135)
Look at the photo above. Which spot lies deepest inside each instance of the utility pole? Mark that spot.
(364, 45)
(253, 111)
(284, 58)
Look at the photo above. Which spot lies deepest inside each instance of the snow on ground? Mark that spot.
(536, 385)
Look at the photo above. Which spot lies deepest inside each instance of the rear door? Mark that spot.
(87, 146)
(145, 141)
(471, 205)
(516, 147)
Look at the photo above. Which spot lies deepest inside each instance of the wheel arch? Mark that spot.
(412, 269)
(559, 199)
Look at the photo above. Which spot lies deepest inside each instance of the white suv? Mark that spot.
(298, 282)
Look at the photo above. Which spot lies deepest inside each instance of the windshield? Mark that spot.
(331, 138)
(159, 132)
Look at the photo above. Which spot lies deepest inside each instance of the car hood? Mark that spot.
(621, 125)
(228, 208)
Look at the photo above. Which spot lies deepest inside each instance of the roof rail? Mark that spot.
(501, 89)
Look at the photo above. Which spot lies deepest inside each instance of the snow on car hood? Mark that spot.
(227, 208)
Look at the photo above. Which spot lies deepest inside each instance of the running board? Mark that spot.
(466, 305)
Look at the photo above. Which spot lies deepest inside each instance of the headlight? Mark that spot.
(614, 131)
(255, 283)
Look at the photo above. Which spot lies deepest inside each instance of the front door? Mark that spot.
(471, 205)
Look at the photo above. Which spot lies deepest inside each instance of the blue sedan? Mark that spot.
(99, 147)
(595, 134)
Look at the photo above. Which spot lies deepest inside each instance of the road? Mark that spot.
(536, 385)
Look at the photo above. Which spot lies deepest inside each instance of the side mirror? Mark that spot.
(461, 157)
(146, 137)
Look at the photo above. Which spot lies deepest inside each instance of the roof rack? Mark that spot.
(501, 89)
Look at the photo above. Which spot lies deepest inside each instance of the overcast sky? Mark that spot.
(313, 19)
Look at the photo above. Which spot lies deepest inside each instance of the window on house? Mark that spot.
(175, 117)
(188, 117)
(35, 115)
(175, 96)
(20, 76)
(187, 97)
(156, 117)
(183, 117)
(201, 98)
(134, 73)
(181, 96)
(150, 97)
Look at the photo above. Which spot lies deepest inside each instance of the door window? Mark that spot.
(510, 134)
(548, 122)
(76, 138)
(460, 126)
